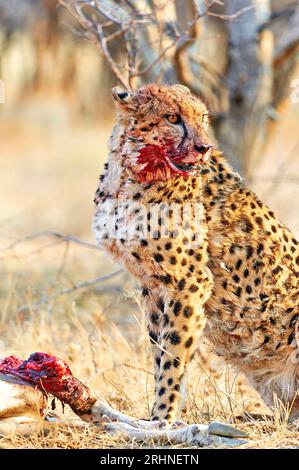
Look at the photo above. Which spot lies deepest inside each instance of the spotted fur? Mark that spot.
(238, 286)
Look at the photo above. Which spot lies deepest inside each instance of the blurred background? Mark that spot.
(57, 65)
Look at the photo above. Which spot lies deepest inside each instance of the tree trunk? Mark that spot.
(242, 130)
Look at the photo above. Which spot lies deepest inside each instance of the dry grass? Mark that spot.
(49, 169)
(118, 369)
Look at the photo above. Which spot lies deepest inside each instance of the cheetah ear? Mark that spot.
(120, 95)
(182, 88)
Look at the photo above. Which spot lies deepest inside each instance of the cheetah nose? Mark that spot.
(203, 148)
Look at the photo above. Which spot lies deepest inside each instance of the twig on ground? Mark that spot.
(69, 290)
(49, 233)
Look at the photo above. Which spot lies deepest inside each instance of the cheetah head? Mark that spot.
(164, 130)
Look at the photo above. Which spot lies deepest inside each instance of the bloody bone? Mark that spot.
(51, 375)
(47, 374)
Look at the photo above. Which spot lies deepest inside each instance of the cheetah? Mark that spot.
(227, 272)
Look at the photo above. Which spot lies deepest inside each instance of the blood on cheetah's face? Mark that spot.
(165, 131)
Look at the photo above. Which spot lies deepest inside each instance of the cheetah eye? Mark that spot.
(174, 118)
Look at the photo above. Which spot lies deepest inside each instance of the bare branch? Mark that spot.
(126, 18)
(155, 62)
(103, 46)
(94, 32)
(58, 235)
(69, 290)
(231, 17)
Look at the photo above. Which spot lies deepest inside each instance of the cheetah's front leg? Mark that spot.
(174, 333)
